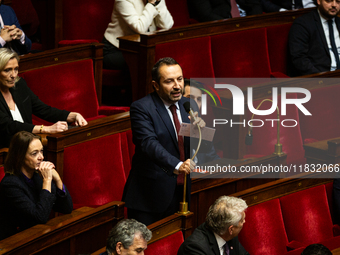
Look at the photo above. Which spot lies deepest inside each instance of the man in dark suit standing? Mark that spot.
(154, 187)
(218, 235)
(11, 34)
(314, 42)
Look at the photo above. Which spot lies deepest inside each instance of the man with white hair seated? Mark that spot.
(218, 235)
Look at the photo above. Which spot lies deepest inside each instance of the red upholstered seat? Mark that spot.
(131, 144)
(179, 12)
(166, 246)
(126, 154)
(94, 171)
(306, 216)
(128, 149)
(265, 137)
(2, 172)
(264, 232)
(193, 55)
(69, 86)
(329, 192)
(91, 24)
(90, 27)
(241, 54)
(277, 38)
(324, 122)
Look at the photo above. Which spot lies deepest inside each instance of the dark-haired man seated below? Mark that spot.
(215, 236)
(314, 42)
(128, 237)
(316, 249)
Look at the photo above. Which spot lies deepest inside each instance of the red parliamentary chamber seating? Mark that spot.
(286, 225)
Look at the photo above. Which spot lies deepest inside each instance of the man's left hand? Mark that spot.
(198, 120)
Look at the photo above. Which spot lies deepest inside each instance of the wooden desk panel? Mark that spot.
(323, 152)
(56, 143)
(82, 232)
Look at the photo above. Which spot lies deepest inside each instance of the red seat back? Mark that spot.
(94, 171)
(126, 154)
(265, 137)
(323, 106)
(2, 172)
(306, 215)
(166, 246)
(263, 232)
(241, 54)
(277, 37)
(179, 12)
(329, 192)
(193, 55)
(86, 19)
(67, 86)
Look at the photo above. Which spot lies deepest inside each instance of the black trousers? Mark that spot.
(336, 200)
(113, 57)
(149, 217)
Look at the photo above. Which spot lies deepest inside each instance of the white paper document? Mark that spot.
(192, 131)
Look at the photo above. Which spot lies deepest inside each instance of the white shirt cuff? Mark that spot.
(2, 42)
(22, 38)
(178, 165)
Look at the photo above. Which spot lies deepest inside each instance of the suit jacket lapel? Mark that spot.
(4, 104)
(212, 241)
(164, 115)
(20, 104)
(337, 22)
(184, 114)
(319, 27)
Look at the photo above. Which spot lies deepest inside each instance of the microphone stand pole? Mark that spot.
(183, 206)
(278, 145)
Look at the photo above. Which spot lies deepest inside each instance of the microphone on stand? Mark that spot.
(249, 136)
(184, 205)
(189, 110)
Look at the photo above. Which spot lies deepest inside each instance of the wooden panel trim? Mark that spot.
(60, 229)
(279, 188)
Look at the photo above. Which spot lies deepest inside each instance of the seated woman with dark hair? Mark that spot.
(18, 103)
(31, 188)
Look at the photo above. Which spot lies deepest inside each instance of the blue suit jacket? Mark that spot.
(9, 18)
(151, 183)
